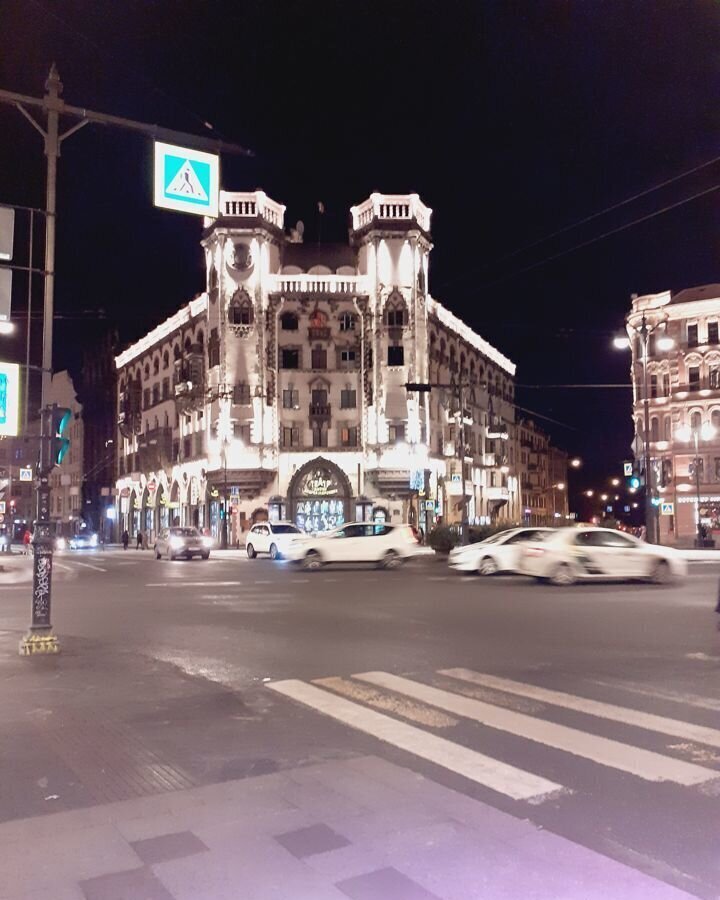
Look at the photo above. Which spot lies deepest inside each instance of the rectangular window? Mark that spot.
(241, 394)
(291, 399)
(199, 441)
(289, 359)
(290, 436)
(714, 378)
(214, 348)
(348, 359)
(155, 394)
(349, 436)
(187, 447)
(692, 335)
(319, 358)
(320, 436)
(348, 399)
(713, 336)
(166, 389)
(651, 345)
(243, 432)
(319, 397)
(347, 322)
(396, 433)
(666, 384)
(146, 398)
(653, 385)
(396, 356)
(694, 378)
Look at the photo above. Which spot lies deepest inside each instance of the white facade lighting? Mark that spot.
(621, 343)
(665, 343)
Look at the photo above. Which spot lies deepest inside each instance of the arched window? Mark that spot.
(240, 311)
(289, 321)
(176, 351)
(667, 428)
(715, 419)
(156, 365)
(188, 344)
(696, 421)
(200, 338)
(654, 429)
(146, 370)
(166, 360)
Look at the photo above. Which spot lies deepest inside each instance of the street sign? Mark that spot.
(667, 509)
(9, 398)
(456, 478)
(26, 474)
(627, 469)
(7, 231)
(187, 180)
(2, 507)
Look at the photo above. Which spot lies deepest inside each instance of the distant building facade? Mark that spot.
(683, 390)
(543, 471)
(280, 391)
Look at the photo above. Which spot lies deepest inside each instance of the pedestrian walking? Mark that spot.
(139, 544)
(643, 533)
(125, 539)
(27, 537)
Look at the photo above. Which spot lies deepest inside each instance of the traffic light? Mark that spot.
(53, 445)
(634, 482)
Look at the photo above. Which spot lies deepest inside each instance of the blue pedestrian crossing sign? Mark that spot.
(187, 180)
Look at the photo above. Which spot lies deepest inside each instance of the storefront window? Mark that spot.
(320, 498)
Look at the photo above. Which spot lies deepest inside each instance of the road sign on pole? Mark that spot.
(627, 469)
(187, 180)
(667, 509)
(26, 474)
(9, 398)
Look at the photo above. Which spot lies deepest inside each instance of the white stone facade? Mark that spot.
(282, 387)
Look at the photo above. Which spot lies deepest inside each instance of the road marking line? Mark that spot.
(420, 713)
(674, 696)
(651, 722)
(262, 582)
(644, 763)
(90, 566)
(189, 584)
(492, 773)
(65, 568)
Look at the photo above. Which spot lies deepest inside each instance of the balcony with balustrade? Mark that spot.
(393, 211)
(253, 205)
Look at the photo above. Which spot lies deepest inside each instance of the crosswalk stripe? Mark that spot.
(644, 763)
(651, 722)
(484, 770)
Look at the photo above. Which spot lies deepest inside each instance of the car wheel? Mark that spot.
(251, 551)
(563, 576)
(487, 566)
(171, 555)
(205, 555)
(274, 552)
(312, 560)
(661, 573)
(157, 554)
(391, 560)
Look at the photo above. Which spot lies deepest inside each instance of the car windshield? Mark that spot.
(285, 529)
(497, 538)
(184, 532)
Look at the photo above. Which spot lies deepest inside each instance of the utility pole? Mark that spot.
(43, 640)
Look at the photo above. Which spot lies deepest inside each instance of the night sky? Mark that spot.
(512, 120)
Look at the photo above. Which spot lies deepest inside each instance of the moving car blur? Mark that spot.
(271, 537)
(386, 545)
(496, 554)
(592, 553)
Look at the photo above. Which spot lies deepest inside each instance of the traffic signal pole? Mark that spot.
(40, 638)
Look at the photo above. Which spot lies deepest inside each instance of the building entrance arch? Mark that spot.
(319, 495)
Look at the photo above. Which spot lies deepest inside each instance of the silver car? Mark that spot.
(177, 541)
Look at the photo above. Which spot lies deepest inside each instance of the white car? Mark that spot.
(271, 537)
(592, 554)
(187, 542)
(498, 553)
(386, 545)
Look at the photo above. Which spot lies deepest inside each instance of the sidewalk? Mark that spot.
(361, 828)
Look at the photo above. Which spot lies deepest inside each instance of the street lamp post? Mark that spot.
(665, 343)
(686, 434)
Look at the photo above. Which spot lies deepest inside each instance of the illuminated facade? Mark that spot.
(684, 391)
(281, 389)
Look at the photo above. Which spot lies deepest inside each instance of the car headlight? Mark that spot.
(176, 542)
(207, 542)
(60, 544)
(94, 540)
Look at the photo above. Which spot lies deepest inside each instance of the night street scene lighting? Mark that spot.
(359, 488)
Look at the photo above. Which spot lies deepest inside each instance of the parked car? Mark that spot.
(498, 553)
(387, 545)
(177, 541)
(591, 554)
(271, 537)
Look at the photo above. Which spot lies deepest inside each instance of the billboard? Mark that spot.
(9, 398)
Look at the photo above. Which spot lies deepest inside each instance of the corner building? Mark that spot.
(683, 390)
(280, 391)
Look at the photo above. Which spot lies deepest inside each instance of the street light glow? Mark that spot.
(665, 343)
(6, 327)
(589, 493)
(603, 497)
(707, 432)
(576, 463)
(684, 433)
(621, 343)
(615, 482)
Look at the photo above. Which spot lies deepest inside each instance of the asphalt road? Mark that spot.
(206, 671)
